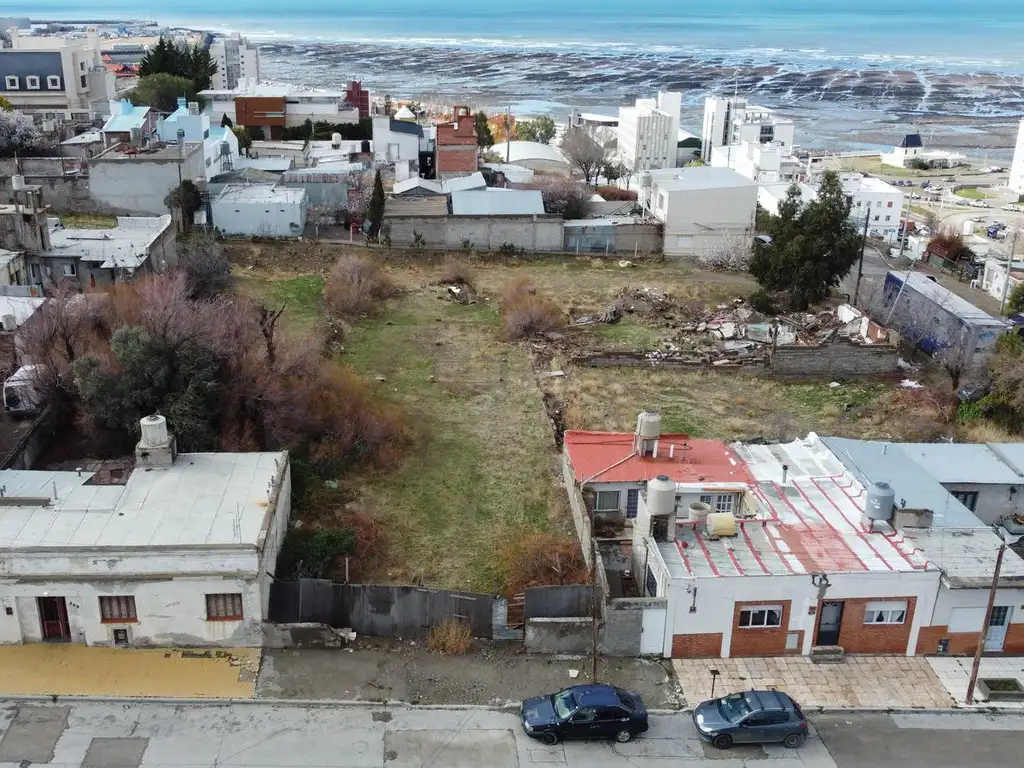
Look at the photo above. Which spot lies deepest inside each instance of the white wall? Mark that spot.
(391, 146)
(994, 501)
(1016, 182)
(975, 602)
(264, 218)
(140, 186)
(699, 219)
(276, 527)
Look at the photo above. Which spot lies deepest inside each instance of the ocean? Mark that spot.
(905, 56)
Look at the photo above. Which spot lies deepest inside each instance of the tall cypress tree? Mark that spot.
(376, 210)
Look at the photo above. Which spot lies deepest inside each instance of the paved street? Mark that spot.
(260, 735)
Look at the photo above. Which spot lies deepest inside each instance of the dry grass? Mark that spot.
(536, 559)
(356, 286)
(526, 312)
(451, 637)
(456, 272)
(987, 432)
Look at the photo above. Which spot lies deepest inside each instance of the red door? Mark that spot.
(53, 616)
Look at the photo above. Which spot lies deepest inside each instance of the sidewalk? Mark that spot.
(954, 672)
(860, 681)
(77, 670)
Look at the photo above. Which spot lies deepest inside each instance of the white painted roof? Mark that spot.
(204, 499)
(126, 245)
(528, 150)
(967, 556)
(699, 178)
(497, 202)
(22, 307)
(963, 463)
(417, 183)
(260, 193)
(461, 183)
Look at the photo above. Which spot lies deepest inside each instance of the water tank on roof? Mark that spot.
(17, 183)
(721, 524)
(661, 496)
(648, 425)
(645, 179)
(698, 512)
(881, 501)
(154, 431)
(335, 140)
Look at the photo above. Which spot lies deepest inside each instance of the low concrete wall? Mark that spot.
(31, 444)
(622, 633)
(530, 233)
(841, 357)
(64, 194)
(568, 635)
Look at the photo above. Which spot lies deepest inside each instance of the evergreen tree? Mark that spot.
(161, 91)
(375, 213)
(164, 57)
(199, 66)
(813, 245)
(484, 138)
(225, 122)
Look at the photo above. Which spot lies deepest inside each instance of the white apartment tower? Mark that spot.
(649, 132)
(1017, 169)
(237, 59)
(730, 120)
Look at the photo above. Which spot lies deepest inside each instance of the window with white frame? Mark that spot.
(707, 499)
(889, 612)
(724, 502)
(761, 617)
(606, 501)
(32, 82)
(53, 82)
(69, 269)
(12, 82)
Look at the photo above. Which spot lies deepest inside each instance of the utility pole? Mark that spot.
(983, 634)
(1009, 269)
(508, 134)
(860, 264)
(594, 604)
(906, 224)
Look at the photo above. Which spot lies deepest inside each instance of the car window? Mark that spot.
(776, 718)
(587, 715)
(564, 703)
(610, 713)
(734, 707)
(625, 699)
(756, 720)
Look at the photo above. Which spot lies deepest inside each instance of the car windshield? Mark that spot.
(565, 703)
(734, 707)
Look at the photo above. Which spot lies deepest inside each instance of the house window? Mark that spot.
(894, 612)
(707, 499)
(968, 498)
(761, 617)
(117, 610)
(888, 218)
(632, 502)
(724, 502)
(889, 204)
(607, 501)
(53, 82)
(69, 269)
(32, 82)
(876, 218)
(82, 79)
(224, 607)
(12, 82)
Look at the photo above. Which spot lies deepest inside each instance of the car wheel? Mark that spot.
(793, 741)
(723, 741)
(549, 737)
(623, 736)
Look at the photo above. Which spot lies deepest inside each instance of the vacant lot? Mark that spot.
(483, 471)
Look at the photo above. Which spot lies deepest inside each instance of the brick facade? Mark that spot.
(708, 645)
(966, 643)
(457, 144)
(752, 641)
(857, 637)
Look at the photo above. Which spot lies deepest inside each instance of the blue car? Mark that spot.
(585, 712)
(751, 717)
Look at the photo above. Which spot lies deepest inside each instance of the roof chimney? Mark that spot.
(157, 448)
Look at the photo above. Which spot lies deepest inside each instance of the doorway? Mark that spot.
(53, 618)
(830, 622)
(997, 626)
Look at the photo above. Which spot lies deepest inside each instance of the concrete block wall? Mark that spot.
(530, 233)
(623, 626)
(571, 635)
(837, 358)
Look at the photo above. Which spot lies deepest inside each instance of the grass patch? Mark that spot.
(973, 193)
(628, 334)
(87, 221)
(302, 297)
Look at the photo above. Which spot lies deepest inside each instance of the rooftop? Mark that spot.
(461, 183)
(520, 151)
(124, 116)
(21, 307)
(968, 462)
(967, 556)
(271, 164)
(697, 179)
(497, 202)
(271, 90)
(89, 137)
(260, 193)
(204, 499)
(945, 298)
(116, 154)
(126, 245)
(416, 206)
(608, 457)
(407, 185)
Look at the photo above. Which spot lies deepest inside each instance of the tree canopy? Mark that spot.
(161, 91)
(192, 62)
(813, 245)
(375, 214)
(540, 129)
(484, 137)
(18, 134)
(584, 154)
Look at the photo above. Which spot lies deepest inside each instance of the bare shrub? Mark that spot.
(451, 637)
(540, 559)
(456, 272)
(206, 267)
(728, 254)
(356, 285)
(563, 197)
(616, 193)
(524, 312)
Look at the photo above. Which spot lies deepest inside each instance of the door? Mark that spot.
(997, 626)
(779, 726)
(611, 720)
(830, 622)
(53, 617)
(752, 730)
(583, 724)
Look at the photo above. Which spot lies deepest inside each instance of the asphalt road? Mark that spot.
(261, 735)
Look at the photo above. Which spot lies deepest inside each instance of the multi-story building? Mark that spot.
(273, 107)
(881, 202)
(56, 76)
(1017, 169)
(648, 132)
(456, 144)
(763, 163)
(237, 59)
(358, 97)
(730, 120)
(220, 145)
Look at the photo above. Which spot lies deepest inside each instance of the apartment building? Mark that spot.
(648, 132)
(1017, 168)
(878, 201)
(237, 59)
(731, 120)
(56, 77)
(272, 107)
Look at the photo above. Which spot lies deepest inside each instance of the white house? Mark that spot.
(648, 132)
(769, 196)
(879, 201)
(237, 59)
(763, 163)
(1016, 182)
(181, 551)
(730, 120)
(396, 140)
(263, 210)
(220, 145)
(993, 277)
(702, 208)
(911, 148)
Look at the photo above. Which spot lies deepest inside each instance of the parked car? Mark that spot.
(751, 717)
(585, 712)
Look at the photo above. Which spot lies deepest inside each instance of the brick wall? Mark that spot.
(767, 641)
(857, 637)
(841, 357)
(456, 160)
(697, 646)
(966, 643)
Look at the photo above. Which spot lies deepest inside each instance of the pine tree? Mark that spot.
(484, 138)
(163, 58)
(375, 214)
(199, 66)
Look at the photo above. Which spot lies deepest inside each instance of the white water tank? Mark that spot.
(645, 179)
(648, 425)
(661, 496)
(17, 183)
(881, 501)
(154, 431)
(721, 524)
(698, 512)
(335, 140)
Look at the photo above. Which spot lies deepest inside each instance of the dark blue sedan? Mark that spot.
(751, 717)
(585, 712)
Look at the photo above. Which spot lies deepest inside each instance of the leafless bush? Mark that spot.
(451, 637)
(456, 272)
(355, 286)
(524, 312)
(206, 267)
(728, 254)
(564, 197)
(540, 559)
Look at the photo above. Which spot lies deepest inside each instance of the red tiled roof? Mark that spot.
(682, 459)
